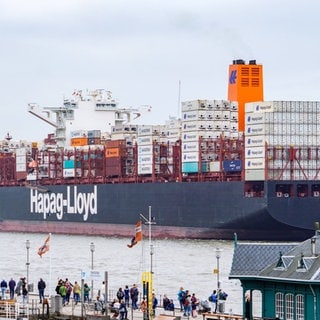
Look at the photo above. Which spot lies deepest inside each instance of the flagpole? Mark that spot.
(150, 221)
(150, 240)
(50, 270)
(149, 275)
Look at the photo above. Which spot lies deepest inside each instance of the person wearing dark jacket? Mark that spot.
(4, 287)
(12, 285)
(41, 287)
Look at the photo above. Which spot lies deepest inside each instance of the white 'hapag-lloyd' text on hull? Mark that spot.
(82, 203)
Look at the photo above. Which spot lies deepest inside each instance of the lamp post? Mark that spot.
(28, 263)
(92, 248)
(218, 255)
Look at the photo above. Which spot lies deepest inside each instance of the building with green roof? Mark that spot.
(279, 281)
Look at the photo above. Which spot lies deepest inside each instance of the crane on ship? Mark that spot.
(59, 116)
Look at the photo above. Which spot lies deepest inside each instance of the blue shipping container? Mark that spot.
(232, 165)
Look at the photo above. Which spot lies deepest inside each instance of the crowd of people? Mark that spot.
(124, 298)
(14, 289)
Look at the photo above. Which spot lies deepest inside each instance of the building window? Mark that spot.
(279, 305)
(299, 307)
(289, 306)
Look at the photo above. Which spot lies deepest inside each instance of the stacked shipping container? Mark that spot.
(204, 120)
(281, 140)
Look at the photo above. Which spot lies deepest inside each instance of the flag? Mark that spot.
(45, 247)
(138, 235)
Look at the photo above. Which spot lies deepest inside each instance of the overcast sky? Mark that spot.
(141, 49)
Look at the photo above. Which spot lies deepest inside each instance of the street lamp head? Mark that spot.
(92, 247)
(218, 253)
(27, 244)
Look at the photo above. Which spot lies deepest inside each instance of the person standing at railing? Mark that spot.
(4, 287)
(76, 292)
(12, 285)
(41, 287)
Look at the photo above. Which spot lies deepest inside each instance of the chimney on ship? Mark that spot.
(245, 85)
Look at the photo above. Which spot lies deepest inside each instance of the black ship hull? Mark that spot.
(205, 210)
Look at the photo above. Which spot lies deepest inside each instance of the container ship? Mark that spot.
(240, 167)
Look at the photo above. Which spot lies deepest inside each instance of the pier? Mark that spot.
(52, 308)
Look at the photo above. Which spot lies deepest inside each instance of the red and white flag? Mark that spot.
(138, 235)
(45, 247)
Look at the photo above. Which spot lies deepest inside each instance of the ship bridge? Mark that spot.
(98, 106)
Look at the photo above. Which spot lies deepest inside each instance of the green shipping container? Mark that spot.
(192, 167)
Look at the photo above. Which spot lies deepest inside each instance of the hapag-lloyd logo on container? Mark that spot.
(82, 203)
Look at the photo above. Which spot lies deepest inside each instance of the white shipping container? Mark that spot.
(193, 115)
(218, 125)
(21, 152)
(145, 130)
(194, 125)
(255, 118)
(225, 104)
(193, 105)
(68, 173)
(254, 152)
(145, 159)
(21, 167)
(233, 106)
(147, 140)
(119, 129)
(226, 134)
(226, 114)
(210, 115)
(257, 129)
(257, 163)
(260, 106)
(214, 166)
(145, 169)
(21, 160)
(174, 124)
(78, 134)
(123, 136)
(31, 176)
(173, 133)
(190, 136)
(255, 141)
(192, 146)
(236, 134)
(234, 116)
(217, 114)
(225, 125)
(171, 140)
(216, 134)
(190, 157)
(233, 126)
(145, 149)
(254, 174)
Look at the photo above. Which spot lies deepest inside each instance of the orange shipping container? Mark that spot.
(76, 142)
(112, 152)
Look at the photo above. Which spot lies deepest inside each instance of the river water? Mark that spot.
(175, 263)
